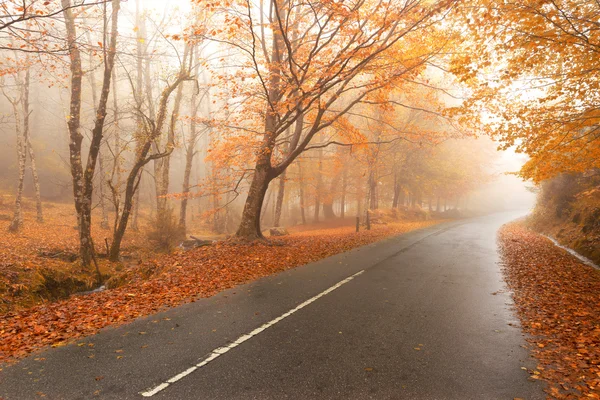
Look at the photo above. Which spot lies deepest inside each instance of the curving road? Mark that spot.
(419, 316)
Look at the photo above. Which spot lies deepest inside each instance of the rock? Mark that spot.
(194, 242)
(278, 231)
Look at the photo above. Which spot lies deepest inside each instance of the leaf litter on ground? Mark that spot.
(557, 299)
(176, 279)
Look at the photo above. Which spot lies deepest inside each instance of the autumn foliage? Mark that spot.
(173, 280)
(534, 80)
(557, 300)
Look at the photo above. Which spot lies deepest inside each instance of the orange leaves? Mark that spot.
(548, 118)
(207, 271)
(556, 298)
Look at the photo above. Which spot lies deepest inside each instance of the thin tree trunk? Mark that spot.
(328, 212)
(138, 91)
(101, 184)
(83, 178)
(301, 194)
(397, 188)
(142, 158)
(372, 190)
(117, 156)
(191, 149)
(318, 187)
(27, 137)
(17, 221)
(163, 165)
(215, 205)
(343, 198)
(103, 195)
(76, 138)
(280, 196)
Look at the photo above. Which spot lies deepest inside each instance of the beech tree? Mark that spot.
(153, 128)
(83, 177)
(534, 79)
(315, 62)
(21, 114)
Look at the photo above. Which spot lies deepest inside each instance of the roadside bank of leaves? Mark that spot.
(558, 303)
(176, 279)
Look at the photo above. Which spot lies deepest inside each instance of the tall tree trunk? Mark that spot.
(117, 156)
(215, 199)
(343, 197)
(27, 137)
(103, 194)
(279, 202)
(83, 178)
(142, 158)
(76, 138)
(397, 189)
(191, 148)
(318, 188)
(17, 221)
(301, 192)
(163, 165)
(101, 183)
(265, 206)
(329, 197)
(138, 91)
(372, 189)
(249, 228)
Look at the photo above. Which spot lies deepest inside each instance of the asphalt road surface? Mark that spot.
(429, 318)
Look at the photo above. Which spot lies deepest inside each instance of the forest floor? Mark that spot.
(557, 299)
(37, 261)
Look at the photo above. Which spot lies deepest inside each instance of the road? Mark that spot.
(425, 315)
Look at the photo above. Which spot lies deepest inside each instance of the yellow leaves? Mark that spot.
(541, 114)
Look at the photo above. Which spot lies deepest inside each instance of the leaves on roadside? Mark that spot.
(206, 271)
(557, 300)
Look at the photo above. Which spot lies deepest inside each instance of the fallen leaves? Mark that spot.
(207, 271)
(557, 299)
(42, 253)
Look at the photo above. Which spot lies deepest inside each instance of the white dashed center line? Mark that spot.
(222, 350)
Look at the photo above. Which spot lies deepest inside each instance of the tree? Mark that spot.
(191, 151)
(534, 80)
(83, 177)
(342, 55)
(17, 221)
(21, 114)
(153, 128)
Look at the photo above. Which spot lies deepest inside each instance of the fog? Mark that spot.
(399, 150)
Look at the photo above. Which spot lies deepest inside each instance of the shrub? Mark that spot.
(164, 230)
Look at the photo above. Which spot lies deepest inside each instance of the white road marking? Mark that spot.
(222, 350)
